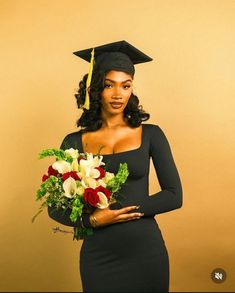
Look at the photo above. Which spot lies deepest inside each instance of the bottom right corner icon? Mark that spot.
(218, 275)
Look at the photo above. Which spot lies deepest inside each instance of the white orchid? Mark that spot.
(70, 187)
(103, 203)
(72, 152)
(89, 165)
(62, 166)
(94, 161)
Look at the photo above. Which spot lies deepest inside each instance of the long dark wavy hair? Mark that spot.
(91, 120)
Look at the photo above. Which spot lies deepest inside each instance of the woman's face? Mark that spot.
(117, 91)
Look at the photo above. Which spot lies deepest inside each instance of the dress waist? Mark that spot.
(122, 239)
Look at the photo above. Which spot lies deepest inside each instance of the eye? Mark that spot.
(126, 86)
(107, 85)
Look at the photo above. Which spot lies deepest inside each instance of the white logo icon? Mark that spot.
(219, 276)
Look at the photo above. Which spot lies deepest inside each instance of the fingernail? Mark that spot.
(137, 207)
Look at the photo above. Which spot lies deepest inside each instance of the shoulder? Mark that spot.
(156, 135)
(72, 135)
(71, 140)
(152, 128)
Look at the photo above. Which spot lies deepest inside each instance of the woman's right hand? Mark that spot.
(107, 216)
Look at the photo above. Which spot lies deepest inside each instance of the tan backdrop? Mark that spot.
(189, 91)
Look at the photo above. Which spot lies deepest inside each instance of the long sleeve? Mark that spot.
(171, 195)
(62, 216)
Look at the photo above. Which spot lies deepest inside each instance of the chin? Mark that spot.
(115, 111)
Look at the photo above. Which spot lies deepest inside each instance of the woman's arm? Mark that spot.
(171, 195)
(62, 217)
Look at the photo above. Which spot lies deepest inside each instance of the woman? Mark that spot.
(127, 252)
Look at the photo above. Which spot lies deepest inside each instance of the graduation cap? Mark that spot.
(120, 56)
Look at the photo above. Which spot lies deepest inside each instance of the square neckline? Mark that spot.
(119, 153)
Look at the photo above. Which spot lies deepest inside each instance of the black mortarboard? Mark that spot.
(119, 56)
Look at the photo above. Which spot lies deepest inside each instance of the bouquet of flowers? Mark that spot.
(79, 182)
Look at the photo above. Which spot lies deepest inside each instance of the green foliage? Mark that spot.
(52, 193)
(115, 183)
(77, 208)
(52, 186)
(59, 154)
(122, 173)
(39, 212)
(80, 233)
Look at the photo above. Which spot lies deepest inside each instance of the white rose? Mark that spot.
(101, 182)
(62, 166)
(72, 152)
(108, 176)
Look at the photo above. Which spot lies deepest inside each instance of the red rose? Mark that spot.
(102, 172)
(44, 178)
(52, 171)
(91, 196)
(72, 174)
(104, 190)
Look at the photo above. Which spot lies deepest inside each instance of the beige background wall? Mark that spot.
(189, 91)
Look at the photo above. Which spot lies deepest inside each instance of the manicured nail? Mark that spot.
(137, 207)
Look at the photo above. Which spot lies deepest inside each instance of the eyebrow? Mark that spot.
(115, 81)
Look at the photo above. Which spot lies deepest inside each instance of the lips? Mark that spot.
(116, 105)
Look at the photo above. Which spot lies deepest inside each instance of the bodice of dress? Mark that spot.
(135, 191)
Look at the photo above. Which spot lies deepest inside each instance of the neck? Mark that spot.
(112, 121)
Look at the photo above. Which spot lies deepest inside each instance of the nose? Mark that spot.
(117, 94)
(116, 97)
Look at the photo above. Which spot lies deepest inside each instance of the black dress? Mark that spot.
(131, 256)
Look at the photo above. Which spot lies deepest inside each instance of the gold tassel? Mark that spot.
(88, 82)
